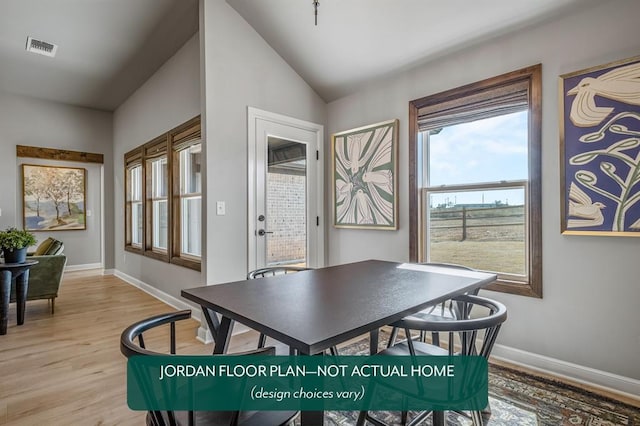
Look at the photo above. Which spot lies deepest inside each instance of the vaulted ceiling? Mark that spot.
(108, 48)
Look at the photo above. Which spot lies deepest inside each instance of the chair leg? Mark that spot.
(53, 305)
(393, 337)
(261, 341)
(476, 418)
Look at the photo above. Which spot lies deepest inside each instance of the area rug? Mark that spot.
(518, 399)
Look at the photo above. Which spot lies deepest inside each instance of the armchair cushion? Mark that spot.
(43, 247)
(56, 247)
(44, 278)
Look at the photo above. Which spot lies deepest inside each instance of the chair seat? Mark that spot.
(224, 418)
(421, 348)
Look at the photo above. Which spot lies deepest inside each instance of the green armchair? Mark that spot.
(44, 278)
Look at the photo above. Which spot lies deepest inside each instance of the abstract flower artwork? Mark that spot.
(364, 177)
(600, 143)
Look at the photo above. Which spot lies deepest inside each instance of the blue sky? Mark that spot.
(489, 150)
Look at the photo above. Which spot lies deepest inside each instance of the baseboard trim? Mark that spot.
(160, 295)
(84, 267)
(203, 334)
(108, 272)
(608, 382)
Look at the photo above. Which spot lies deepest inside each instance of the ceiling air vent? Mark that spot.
(41, 47)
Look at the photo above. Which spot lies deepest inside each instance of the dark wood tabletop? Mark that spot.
(313, 310)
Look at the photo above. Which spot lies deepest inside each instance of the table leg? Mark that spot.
(5, 293)
(438, 418)
(224, 335)
(374, 337)
(22, 285)
(312, 418)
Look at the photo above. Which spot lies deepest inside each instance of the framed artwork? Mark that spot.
(365, 183)
(600, 150)
(53, 198)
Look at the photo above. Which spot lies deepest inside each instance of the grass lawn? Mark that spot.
(499, 256)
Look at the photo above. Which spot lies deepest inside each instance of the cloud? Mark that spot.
(486, 150)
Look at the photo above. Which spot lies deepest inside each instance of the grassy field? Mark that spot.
(499, 256)
(494, 239)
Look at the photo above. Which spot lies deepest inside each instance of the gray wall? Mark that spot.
(170, 97)
(589, 314)
(239, 70)
(33, 122)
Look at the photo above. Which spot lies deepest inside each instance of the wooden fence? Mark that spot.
(482, 223)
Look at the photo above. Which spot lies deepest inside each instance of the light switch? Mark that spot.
(220, 208)
(89, 213)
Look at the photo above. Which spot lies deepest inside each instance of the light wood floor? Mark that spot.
(67, 369)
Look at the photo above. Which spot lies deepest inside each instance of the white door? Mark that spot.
(285, 223)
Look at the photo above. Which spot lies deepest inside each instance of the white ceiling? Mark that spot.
(360, 40)
(108, 48)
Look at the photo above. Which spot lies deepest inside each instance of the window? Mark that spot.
(190, 200)
(134, 216)
(163, 197)
(157, 198)
(187, 231)
(475, 195)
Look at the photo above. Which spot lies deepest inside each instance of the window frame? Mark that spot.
(155, 150)
(180, 138)
(166, 145)
(533, 213)
(132, 159)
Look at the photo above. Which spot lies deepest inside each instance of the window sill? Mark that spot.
(187, 263)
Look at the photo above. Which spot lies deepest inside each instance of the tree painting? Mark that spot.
(53, 198)
(602, 149)
(365, 182)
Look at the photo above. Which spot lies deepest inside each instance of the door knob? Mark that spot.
(261, 232)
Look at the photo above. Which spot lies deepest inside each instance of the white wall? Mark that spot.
(33, 122)
(239, 70)
(589, 314)
(170, 97)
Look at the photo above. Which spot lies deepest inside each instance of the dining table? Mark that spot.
(313, 310)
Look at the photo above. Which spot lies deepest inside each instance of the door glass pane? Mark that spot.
(286, 218)
(483, 229)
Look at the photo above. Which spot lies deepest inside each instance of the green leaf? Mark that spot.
(607, 167)
(624, 144)
(592, 137)
(584, 158)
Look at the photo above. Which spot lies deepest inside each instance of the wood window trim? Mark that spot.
(132, 159)
(58, 154)
(162, 145)
(153, 150)
(533, 75)
(180, 138)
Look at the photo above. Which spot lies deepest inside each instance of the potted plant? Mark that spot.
(14, 243)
